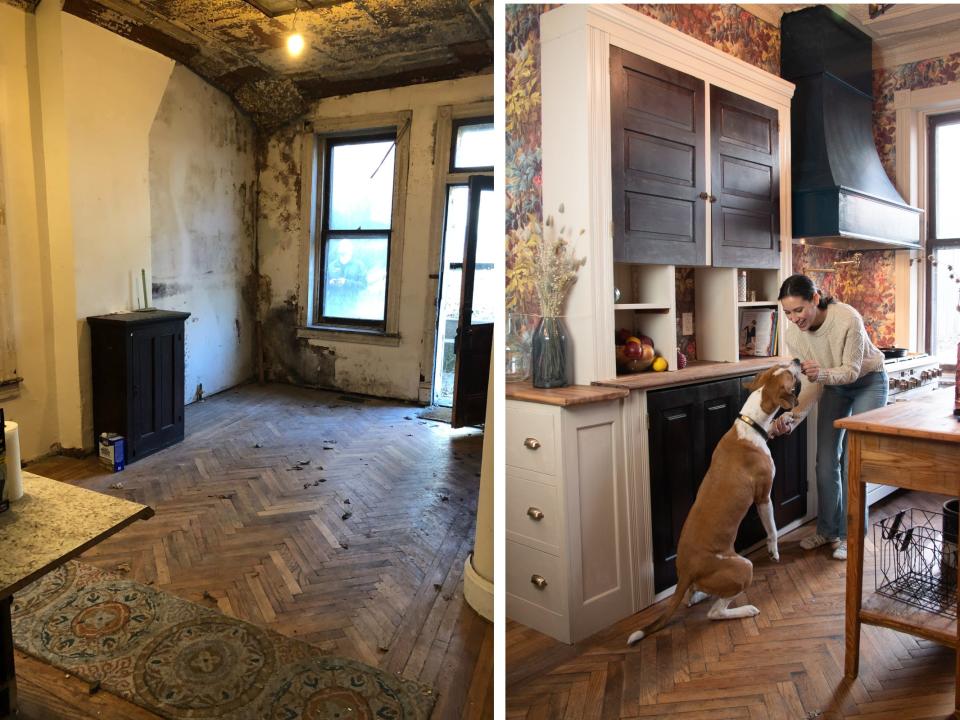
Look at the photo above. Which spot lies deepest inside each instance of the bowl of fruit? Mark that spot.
(635, 353)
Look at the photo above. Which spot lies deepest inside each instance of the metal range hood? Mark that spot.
(842, 198)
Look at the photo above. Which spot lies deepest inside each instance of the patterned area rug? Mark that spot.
(181, 660)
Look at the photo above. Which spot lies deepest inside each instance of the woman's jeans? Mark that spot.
(840, 401)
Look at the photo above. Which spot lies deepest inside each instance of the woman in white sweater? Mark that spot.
(843, 370)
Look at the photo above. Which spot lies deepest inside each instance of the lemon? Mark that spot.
(659, 363)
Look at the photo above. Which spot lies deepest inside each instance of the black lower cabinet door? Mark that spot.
(686, 424)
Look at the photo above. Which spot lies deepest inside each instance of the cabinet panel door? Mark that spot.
(745, 162)
(658, 158)
(685, 426)
(157, 388)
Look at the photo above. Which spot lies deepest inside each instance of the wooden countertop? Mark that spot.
(563, 397)
(54, 522)
(929, 417)
(695, 372)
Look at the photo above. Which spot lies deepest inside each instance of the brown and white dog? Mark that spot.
(741, 472)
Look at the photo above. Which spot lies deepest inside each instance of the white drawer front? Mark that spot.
(528, 500)
(523, 565)
(531, 440)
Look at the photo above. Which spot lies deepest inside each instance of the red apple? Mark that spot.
(632, 349)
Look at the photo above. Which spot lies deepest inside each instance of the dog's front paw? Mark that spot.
(749, 610)
(773, 552)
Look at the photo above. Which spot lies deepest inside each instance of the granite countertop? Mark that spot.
(696, 372)
(54, 522)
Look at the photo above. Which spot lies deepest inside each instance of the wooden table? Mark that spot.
(50, 524)
(913, 445)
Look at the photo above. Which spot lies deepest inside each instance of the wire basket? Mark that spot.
(913, 562)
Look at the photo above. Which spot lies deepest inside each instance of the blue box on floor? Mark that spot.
(111, 451)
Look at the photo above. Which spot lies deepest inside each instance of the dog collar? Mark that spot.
(753, 423)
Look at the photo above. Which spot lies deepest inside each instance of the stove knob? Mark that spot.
(924, 376)
(901, 384)
(914, 382)
(893, 383)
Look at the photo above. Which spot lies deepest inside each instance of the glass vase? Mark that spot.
(516, 351)
(552, 361)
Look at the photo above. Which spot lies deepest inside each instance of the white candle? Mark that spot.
(13, 487)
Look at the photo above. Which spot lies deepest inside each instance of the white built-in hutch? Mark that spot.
(579, 547)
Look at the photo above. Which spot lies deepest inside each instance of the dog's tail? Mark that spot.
(672, 606)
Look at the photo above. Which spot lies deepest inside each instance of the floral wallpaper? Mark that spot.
(868, 287)
(912, 76)
(727, 27)
(686, 303)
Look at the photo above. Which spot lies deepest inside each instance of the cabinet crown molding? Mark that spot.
(653, 39)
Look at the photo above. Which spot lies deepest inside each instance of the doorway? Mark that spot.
(471, 155)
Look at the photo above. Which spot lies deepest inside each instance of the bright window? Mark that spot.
(356, 226)
(943, 241)
(474, 145)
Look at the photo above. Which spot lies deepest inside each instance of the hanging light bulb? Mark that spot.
(295, 42)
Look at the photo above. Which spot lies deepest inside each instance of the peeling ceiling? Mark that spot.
(351, 45)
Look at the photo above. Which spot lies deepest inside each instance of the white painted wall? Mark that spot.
(352, 366)
(202, 186)
(34, 405)
(77, 105)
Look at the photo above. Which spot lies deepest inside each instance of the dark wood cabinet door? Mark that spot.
(658, 162)
(745, 182)
(157, 387)
(685, 426)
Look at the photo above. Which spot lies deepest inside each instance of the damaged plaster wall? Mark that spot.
(344, 365)
(202, 180)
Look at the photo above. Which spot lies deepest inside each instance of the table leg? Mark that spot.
(956, 689)
(8, 675)
(856, 507)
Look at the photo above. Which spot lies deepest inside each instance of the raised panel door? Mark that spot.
(745, 182)
(658, 162)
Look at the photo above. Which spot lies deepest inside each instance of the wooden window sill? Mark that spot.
(360, 335)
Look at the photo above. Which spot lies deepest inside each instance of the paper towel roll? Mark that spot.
(13, 487)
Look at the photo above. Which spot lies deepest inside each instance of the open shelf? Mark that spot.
(886, 612)
(758, 303)
(642, 307)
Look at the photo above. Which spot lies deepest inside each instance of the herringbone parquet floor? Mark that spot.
(341, 521)
(786, 663)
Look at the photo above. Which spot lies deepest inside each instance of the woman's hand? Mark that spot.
(783, 425)
(810, 368)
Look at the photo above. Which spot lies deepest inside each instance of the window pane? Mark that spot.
(355, 278)
(948, 181)
(474, 146)
(487, 282)
(946, 331)
(361, 188)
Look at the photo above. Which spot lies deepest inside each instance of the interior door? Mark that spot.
(475, 329)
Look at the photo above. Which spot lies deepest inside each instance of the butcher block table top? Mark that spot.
(565, 396)
(929, 417)
(915, 445)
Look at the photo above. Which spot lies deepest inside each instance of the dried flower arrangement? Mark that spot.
(554, 268)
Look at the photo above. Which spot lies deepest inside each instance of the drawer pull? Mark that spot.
(531, 443)
(535, 513)
(539, 581)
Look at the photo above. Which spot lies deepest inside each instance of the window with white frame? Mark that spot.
(356, 237)
(943, 237)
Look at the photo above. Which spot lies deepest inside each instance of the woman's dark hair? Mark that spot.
(803, 287)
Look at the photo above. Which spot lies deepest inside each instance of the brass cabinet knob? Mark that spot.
(713, 198)
(539, 581)
(535, 513)
(704, 196)
(531, 443)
